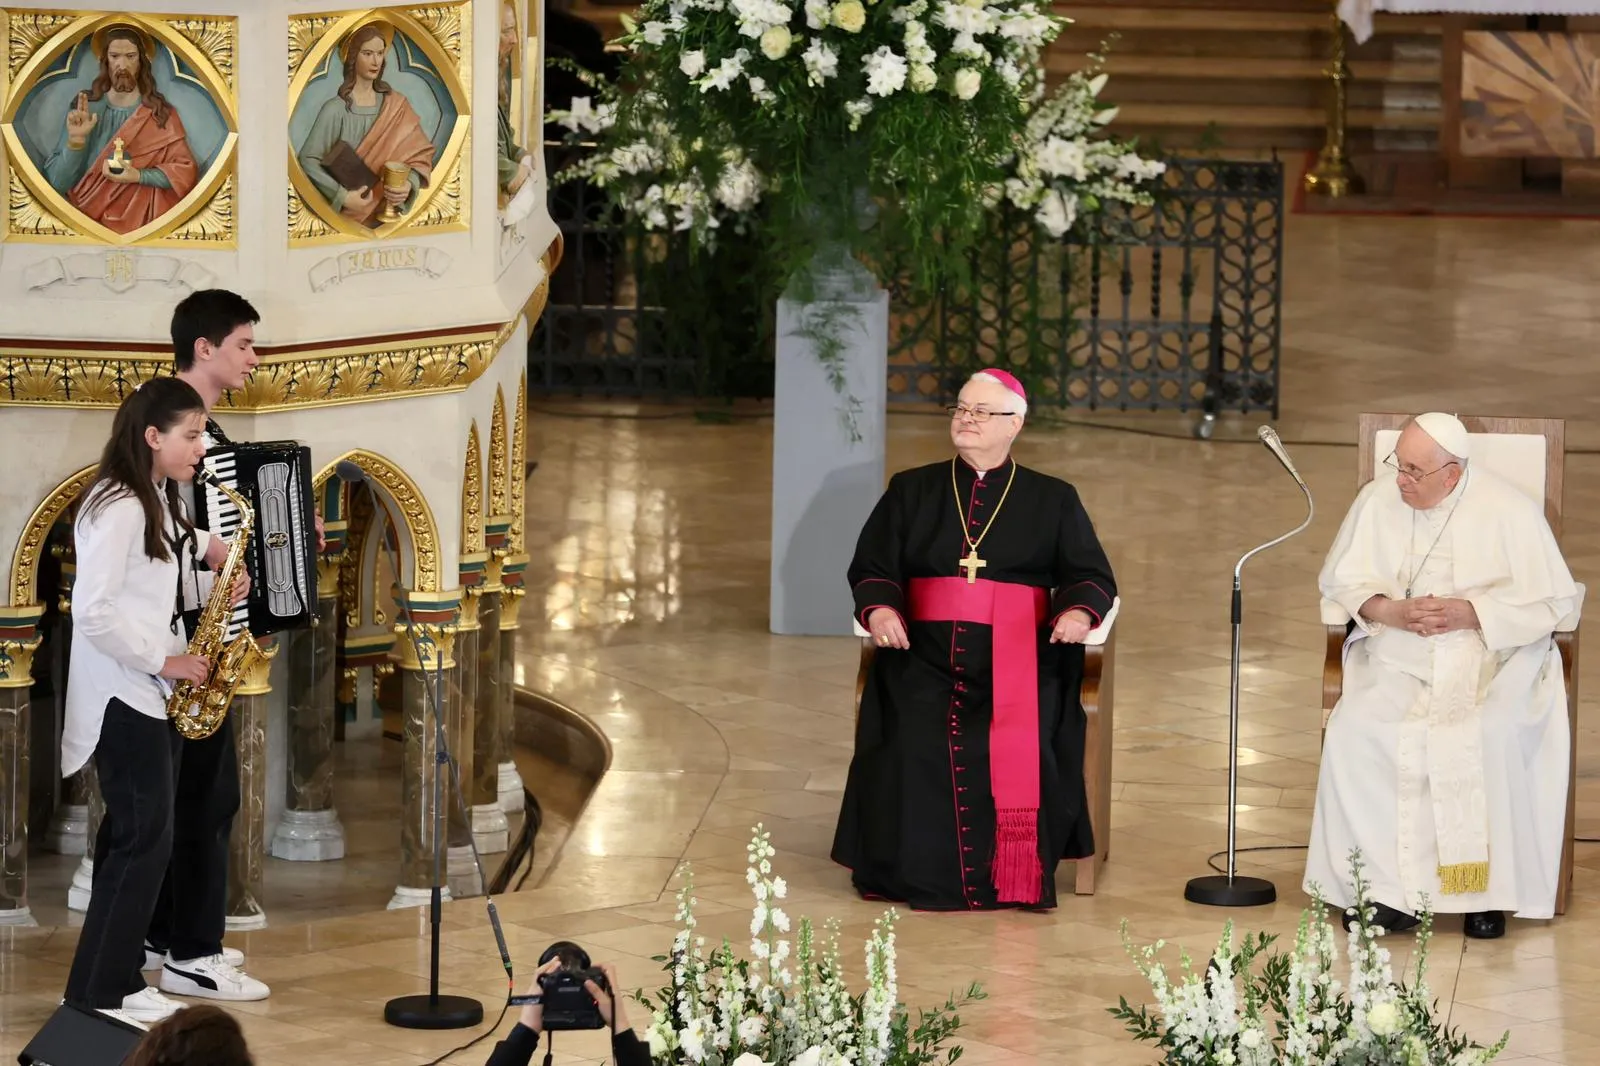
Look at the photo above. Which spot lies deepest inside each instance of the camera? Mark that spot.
(567, 1004)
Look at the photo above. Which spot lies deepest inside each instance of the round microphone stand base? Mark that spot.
(433, 1012)
(1219, 890)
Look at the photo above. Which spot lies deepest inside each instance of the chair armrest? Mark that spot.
(1332, 614)
(1102, 632)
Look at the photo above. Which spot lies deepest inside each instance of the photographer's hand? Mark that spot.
(533, 1013)
(609, 1001)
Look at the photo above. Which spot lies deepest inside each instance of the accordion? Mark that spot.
(281, 558)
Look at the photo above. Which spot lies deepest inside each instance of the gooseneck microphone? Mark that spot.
(1269, 437)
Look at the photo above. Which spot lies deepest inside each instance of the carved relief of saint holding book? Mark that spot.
(366, 126)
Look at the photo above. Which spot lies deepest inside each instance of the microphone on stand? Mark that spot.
(1229, 889)
(431, 1010)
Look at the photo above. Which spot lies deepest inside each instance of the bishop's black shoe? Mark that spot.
(1385, 917)
(1485, 925)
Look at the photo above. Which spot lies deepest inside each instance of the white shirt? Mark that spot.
(122, 631)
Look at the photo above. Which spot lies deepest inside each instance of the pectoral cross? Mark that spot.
(972, 564)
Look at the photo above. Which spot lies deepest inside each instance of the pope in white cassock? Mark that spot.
(1446, 758)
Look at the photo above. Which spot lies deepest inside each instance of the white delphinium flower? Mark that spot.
(655, 33)
(692, 1040)
(818, 13)
(966, 83)
(1031, 30)
(775, 42)
(960, 19)
(886, 72)
(692, 64)
(752, 1029)
(1009, 72)
(1063, 159)
(1131, 166)
(726, 73)
(821, 61)
(922, 78)
(780, 888)
(858, 110)
(917, 48)
(914, 10)
(877, 1007)
(757, 16)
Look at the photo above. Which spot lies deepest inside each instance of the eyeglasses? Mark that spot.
(977, 414)
(1412, 473)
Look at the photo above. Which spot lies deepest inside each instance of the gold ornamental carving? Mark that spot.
(498, 457)
(347, 373)
(472, 496)
(42, 46)
(355, 546)
(36, 533)
(402, 493)
(16, 662)
(519, 467)
(440, 201)
(435, 642)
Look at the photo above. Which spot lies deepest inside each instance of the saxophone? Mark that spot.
(198, 710)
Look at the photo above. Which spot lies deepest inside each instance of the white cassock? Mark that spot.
(1446, 758)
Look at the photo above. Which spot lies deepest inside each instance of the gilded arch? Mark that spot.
(25, 563)
(399, 491)
(472, 496)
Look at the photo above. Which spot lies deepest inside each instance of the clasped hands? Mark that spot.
(1426, 616)
(888, 631)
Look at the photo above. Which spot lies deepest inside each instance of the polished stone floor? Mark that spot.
(648, 614)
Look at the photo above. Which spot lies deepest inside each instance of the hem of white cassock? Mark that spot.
(1097, 636)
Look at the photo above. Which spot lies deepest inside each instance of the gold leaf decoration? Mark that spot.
(519, 466)
(303, 34)
(26, 31)
(213, 223)
(498, 457)
(25, 567)
(215, 39)
(446, 207)
(443, 24)
(27, 217)
(303, 221)
(472, 496)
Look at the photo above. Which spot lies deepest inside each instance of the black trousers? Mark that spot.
(191, 912)
(137, 759)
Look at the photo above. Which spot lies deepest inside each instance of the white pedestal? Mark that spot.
(490, 829)
(511, 798)
(20, 916)
(415, 897)
(245, 922)
(461, 872)
(82, 885)
(825, 483)
(69, 830)
(308, 836)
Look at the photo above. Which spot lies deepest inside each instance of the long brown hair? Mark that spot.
(146, 78)
(201, 1035)
(127, 466)
(352, 50)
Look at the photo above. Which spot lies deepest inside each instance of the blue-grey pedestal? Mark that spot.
(824, 483)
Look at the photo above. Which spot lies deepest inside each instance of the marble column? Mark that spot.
(248, 844)
(461, 736)
(489, 825)
(427, 668)
(309, 830)
(69, 825)
(510, 783)
(19, 639)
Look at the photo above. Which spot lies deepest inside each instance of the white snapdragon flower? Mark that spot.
(821, 63)
(960, 19)
(759, 90)
(757, 16)
(917, 48)
(692, 64)
(886, 72)
(780, 888)
(1064, 159)
(966, 45)
(655, 34)
(858, 110)
(775, 42)
(966, 83)
(752, 1029)
(818, 13)
(692, 1040)
(726, 73)
(1032, 31)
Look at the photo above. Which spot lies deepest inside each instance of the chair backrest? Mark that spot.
(1527, 452)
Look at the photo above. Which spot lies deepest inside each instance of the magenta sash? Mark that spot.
(1015, 613)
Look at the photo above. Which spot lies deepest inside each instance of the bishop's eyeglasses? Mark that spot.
(1413, 474)
(959, 411)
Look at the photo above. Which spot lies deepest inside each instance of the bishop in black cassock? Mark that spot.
(979, 581)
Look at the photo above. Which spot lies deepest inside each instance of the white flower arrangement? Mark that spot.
(1295, 1011)
(787, 1004)
(1067, 167)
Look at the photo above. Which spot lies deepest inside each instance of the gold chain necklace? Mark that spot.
(972, 564)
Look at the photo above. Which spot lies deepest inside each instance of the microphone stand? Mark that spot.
(1231, 890)
(429, 1010)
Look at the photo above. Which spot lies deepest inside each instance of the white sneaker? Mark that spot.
(154, 960)
(145, 1008)
(213, 977)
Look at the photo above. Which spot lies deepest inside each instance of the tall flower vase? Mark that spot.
(829, 394)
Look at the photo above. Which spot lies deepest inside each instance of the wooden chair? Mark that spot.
(1529, 453)
(1096, 694)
